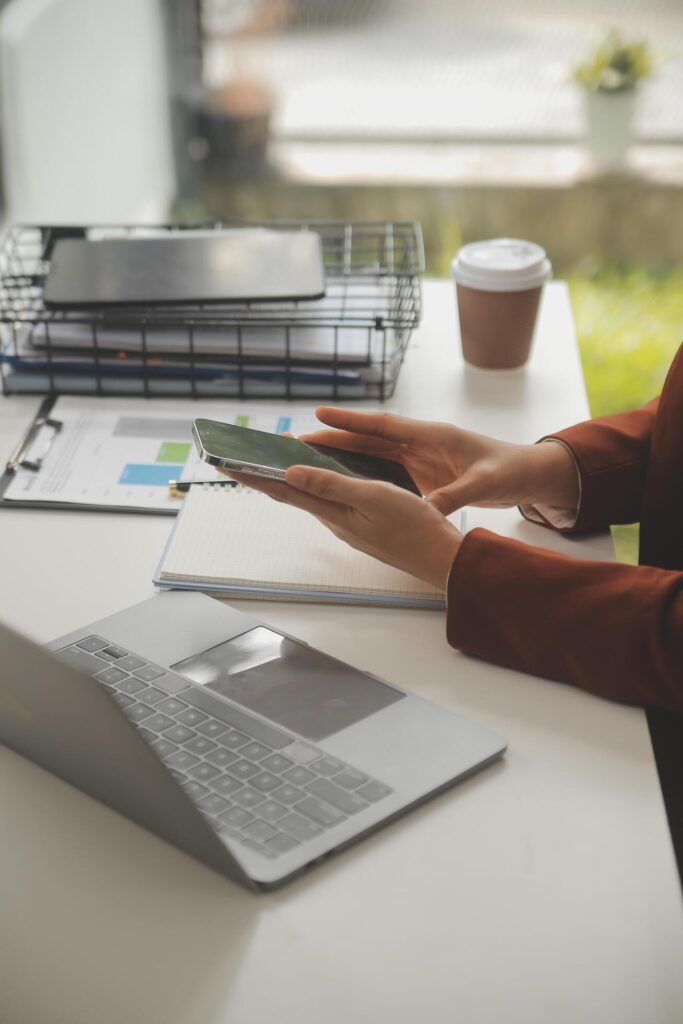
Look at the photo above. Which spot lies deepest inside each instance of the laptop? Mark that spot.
(235, 742)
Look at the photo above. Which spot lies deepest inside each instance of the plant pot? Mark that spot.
(609, 125)
(235, 122)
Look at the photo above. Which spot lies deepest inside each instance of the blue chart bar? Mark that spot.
(283, 424)
(149, 475)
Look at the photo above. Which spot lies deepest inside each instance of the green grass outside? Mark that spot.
(629, 322)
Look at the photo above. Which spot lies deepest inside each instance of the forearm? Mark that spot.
(615, 630)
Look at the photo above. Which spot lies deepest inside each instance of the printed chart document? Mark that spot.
(241, 543)
(122, 453)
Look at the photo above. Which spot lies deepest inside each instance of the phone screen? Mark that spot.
(232, 447)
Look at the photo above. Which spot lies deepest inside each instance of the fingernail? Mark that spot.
(296, 476)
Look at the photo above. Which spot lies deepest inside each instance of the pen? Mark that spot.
(178, 488)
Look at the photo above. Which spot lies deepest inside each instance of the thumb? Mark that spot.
(326, 484)
(455, 495)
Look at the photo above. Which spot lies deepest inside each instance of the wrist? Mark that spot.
(443, 556)
(556, 478)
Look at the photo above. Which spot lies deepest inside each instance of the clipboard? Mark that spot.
(42, 421)
(46, 426)
(115, 454)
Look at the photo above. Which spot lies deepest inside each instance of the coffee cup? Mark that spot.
(498, 285)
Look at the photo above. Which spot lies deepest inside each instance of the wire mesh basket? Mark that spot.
(349, 344)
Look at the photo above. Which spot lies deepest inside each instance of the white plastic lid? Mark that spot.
(501, 265)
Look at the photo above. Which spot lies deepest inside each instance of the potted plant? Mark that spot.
(610, 79)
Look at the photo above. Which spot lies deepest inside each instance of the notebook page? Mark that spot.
(241, 536)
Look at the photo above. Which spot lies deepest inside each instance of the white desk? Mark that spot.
(542, 889)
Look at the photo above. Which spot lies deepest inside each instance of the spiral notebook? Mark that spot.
(240, 542)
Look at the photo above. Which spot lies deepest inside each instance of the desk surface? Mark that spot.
(544, 888)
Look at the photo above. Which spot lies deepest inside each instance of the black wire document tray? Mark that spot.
(348, 344)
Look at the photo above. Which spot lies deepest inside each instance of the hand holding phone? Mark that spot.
(259, 453)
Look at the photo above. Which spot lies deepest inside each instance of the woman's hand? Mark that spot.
(382, 520)
(454, 467)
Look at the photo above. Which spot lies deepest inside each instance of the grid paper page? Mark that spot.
(242, 536)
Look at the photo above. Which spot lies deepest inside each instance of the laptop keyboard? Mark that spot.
(256, 783)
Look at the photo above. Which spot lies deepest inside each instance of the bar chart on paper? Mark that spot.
(123, 453)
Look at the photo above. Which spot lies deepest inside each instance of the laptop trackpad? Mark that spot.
(288, 682)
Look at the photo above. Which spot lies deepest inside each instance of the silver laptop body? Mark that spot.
(238, 744)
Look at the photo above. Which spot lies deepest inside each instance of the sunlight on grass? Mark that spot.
(629, 322)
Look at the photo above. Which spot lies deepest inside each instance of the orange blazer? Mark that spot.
(613, 629)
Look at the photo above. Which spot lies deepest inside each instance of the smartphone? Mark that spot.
(262, 454)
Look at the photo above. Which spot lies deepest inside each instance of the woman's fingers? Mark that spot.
(324, 493)
(324, 485)
(383, 425)
(351, 442)
(313, 493)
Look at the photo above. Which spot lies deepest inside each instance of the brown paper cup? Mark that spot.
(497, 328)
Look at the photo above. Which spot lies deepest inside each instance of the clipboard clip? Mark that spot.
(19, 459)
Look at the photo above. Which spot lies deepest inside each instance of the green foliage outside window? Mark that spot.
(629, 322)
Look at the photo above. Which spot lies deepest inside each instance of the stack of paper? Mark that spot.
(260, 358)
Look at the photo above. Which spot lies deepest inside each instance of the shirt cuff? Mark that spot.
(551, 515)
